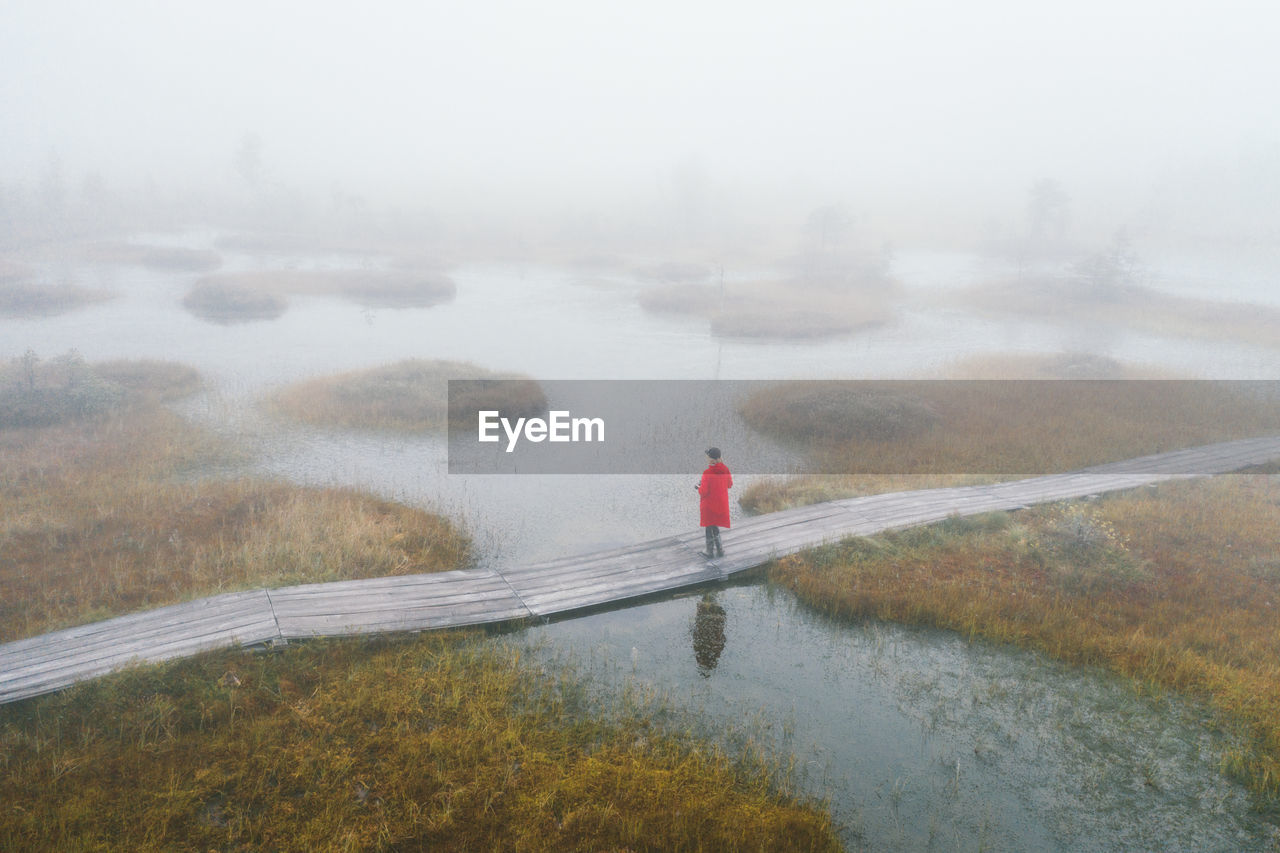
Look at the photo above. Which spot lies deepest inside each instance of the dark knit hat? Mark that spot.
(713, 452)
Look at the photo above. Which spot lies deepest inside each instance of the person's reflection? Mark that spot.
(708, 634)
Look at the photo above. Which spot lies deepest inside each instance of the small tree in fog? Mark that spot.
(1048, 211)
(1106, 273)
(28, 362)
(691, 191)
(826, 234)
(827, 227)
(248, 159)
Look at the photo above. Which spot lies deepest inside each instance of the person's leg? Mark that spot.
(709, 551)
(719, 552)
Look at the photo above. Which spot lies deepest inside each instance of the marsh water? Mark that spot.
(918, 738)
(921, 739)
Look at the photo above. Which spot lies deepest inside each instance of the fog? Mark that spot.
(925, 120)
(324, 209)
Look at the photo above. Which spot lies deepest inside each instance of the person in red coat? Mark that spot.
(714, 490)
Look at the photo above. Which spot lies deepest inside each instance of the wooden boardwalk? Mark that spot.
(53, 661)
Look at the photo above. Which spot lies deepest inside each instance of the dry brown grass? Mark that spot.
(984, 431)
(1060, 365)
(409, 250)
(1176, 586)
(437, 742)
(775, 494)
(102, 517)
(149, 380)
(225, 302)
(12, 271)
(41, 392)
(374, 288)
(692, 300)
(25, 299)
(764, 309)
(411, 395)
(683, 272)
(1064, 300)
(156, 257)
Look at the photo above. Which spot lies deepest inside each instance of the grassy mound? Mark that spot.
(820, 412)
(409, 395)
(783, 310)
(102, 517)
(866, 437)
(150, 380)
(374, 288)
(173, 258)
(674, 271)
(438, 742)
(23, 299)
(692, 300)
(1176, 586)
(224, 302)
(1062, 299)
(35, 393)
(1060, 365)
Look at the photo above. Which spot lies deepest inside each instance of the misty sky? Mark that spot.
(879, 95)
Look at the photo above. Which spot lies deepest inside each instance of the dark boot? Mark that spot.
(710, 550)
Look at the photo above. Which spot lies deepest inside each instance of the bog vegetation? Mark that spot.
(105, 511)
(244, 296)
(443, 741)
(1177, 586)
(409, 396)
(774, 309)
(21, 295)
(24, 299)
(865, 437)
(166, 258)
(1087, 299)
(225, 302)
(440, 741)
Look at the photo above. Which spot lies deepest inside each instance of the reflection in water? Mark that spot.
(919, 739)
(708, 634)
(952, 746)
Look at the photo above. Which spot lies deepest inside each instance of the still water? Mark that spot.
(919, 738)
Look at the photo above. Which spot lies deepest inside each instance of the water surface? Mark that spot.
(922, 741)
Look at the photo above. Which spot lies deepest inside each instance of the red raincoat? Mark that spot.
(714, 489)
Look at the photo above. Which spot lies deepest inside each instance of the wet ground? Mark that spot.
(920, 739)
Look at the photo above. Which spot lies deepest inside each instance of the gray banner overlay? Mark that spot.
(1002, 427)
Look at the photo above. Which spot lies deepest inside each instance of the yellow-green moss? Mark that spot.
(1176, 586)
(439, 742)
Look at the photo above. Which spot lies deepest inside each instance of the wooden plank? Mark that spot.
(62, 657)
(433, 601)
(350, 603)
(598, 594)
(575, 560)
(36, 680)
(413, 618)
(473, 596)
(539, 599)
(390, 583)
(225, 612)
(168, 614)
(288, 599)
(660, 553)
